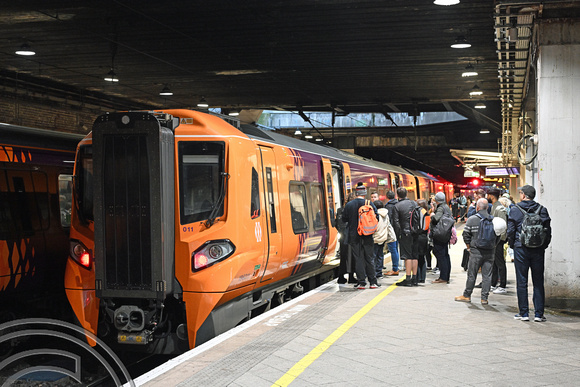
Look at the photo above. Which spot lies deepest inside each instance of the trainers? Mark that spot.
(361, 286)
(478, 286)
(539, 319)
(375, 286)
(405, 282)
(462, 299)
(491, 289)
(499, 290)
(520, 317)
(392, 272)
(484, 302)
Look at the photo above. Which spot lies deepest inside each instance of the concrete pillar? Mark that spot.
(557, 168)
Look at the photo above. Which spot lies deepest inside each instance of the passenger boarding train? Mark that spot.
(184, 226)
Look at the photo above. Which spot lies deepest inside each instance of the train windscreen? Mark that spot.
(201, 165)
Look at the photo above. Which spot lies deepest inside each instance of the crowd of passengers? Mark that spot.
(362, 256)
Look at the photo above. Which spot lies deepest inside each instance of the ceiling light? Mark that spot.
(480, 105)
(165, 91)
(202, 103)
(319, 139)
(475, 91)
(484, 131)
(446, 2)
(297, 132)
(234, 113)
(469, 71)
(461, 42)
(111, 77)
(308, 136)
(25, 50)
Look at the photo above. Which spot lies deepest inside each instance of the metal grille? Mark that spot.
(127, 207)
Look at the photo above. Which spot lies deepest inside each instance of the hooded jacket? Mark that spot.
(515, 219)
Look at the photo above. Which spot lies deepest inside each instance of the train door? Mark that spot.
(271, 229)
(346, 179)
(395, 182)
(329, 192)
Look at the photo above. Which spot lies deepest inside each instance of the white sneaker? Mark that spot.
(500, 291)
(491, 289)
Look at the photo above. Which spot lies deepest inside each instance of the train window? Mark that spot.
(255, 205)
(336, 188)
(201, 183)
(84, 184)
(65, 198)
(271, 200)
(317, 203)
(298, 207)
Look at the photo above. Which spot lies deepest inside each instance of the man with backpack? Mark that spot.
(441, 246)
(480, 238)
(407, 240)
(529, 233)
(362, 244)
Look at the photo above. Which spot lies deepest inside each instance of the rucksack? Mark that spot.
(367, 220)
(443, 229)
(415, 221)
(533, 234)
(486, 238)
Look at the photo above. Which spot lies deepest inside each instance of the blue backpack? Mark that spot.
(486, 238)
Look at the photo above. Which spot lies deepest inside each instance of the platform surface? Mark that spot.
(340, 336)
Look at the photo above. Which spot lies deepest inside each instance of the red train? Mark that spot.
(184, 226)
(36, 169)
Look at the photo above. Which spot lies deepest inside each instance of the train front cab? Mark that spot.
(231, 204)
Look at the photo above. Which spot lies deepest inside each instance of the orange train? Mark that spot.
(185, 225)
(36, 169)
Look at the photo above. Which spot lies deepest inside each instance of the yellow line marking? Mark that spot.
(307, 360)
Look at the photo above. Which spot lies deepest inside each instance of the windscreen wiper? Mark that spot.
(213, 215)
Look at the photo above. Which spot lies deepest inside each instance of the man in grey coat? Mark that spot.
(477, 257)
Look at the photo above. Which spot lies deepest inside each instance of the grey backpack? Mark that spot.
(533, 234)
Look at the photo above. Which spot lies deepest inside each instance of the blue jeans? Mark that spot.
(524, 260)
(379, 259)
(441, 252)
(394, 250)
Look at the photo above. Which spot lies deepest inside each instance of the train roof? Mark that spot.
(16, 135)
(332, 153)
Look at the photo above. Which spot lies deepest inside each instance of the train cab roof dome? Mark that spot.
(254, 131)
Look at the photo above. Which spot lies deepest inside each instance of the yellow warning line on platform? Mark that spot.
(305, 362)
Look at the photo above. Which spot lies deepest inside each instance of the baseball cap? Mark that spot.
(529, 191)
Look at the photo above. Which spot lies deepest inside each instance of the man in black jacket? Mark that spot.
(407, 242)
(441, 250)
(362, 245)
(392, 246)
(526, 258)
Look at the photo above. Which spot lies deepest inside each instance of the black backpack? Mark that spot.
(533, 234)
(415, 221)
(443, 229)
(486, 238)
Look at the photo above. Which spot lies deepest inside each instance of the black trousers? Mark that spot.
(363, 252)
(499, 268)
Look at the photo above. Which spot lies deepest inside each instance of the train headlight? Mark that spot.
(80, 254)
(211, 252)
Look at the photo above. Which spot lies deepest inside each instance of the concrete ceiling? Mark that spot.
(348, 56)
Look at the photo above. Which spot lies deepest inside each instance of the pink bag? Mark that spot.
(453, 239)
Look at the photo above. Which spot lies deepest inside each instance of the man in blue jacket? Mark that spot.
(526, 258)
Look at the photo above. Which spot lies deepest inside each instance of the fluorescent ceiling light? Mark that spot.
(446, 2)
(484, 131)
(480, 105)
(25, 50)
(469, 71)
(461, 42)
(111, 77)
